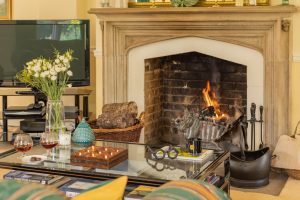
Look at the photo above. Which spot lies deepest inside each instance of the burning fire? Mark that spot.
(212, 101)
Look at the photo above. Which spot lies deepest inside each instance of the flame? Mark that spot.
(212, 100)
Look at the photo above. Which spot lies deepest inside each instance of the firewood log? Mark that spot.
(129, 107)
(118, 115)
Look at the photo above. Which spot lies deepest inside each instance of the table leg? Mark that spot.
(5, 128)
(86, 107)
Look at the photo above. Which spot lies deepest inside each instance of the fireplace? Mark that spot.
(127, 33)
(175, 84)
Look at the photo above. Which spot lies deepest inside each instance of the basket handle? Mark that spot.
(295, 131)
(142, 117)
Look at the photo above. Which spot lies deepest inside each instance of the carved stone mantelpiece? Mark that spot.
(255, 27)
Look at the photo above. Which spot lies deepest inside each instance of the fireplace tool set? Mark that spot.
(253, 122)
(231, 134)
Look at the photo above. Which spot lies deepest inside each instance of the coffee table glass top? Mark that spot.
(140, 165)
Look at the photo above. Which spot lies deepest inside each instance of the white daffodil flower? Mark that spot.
(53, 78)
(53, 72)
(37, 68)
(57, 68)
(70, 73)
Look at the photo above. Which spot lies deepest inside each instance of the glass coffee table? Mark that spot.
(140, 166)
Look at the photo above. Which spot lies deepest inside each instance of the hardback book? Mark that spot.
(212, 178)
(76, 186)
(33, 177)
(139, 193)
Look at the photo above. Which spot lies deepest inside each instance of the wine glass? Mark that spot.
(49, 140)
(23, 143)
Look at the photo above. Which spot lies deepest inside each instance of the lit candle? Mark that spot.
(117, 150)
(105, 149)
(111, 153)
(100, 152)
(79, 153)
(105, 156)
(93, 155)
(88, 151)
(93, 148)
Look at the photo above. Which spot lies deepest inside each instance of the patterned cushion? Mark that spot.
(187, 190)
(12, 190)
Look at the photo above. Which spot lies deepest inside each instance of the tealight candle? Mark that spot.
(105, 156)
(79, 153)
(100, 152)
(88, 151)
(105, 149)
(93, 155)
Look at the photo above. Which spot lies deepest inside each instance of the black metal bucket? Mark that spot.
(251, 172)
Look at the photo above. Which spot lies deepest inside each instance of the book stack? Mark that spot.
(212, 179)
(32, 177)
(139, 192)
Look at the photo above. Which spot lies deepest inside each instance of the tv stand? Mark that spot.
(76, 92)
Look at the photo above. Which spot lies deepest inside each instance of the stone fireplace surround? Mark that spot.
(263, 29)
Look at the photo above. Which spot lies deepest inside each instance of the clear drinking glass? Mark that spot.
(23, 143)
(49, 140)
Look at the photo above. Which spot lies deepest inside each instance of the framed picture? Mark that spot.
(5, 9)
(201, 3)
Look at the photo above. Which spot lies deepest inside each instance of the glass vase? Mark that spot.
(55, 117)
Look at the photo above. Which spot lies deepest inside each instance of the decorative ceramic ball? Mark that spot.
(83, 133)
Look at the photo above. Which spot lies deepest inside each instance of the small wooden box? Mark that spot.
(99, 157)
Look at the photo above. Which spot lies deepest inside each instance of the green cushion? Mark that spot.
(14, 190)
(188, 190)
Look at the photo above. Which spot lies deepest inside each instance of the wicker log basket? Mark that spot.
(294, 173)
(129, 134)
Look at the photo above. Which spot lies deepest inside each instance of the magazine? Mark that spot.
(139, 193)
(32, 177)
(76, 186)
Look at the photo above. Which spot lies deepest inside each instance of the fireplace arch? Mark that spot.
(259, 29)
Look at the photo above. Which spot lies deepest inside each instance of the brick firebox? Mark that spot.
(174, 83)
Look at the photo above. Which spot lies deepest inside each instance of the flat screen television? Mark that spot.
(23, 40)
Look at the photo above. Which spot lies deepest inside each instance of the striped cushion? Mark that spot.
(187, 190)
(12, 190)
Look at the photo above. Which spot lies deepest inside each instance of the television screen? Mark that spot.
(23, 40)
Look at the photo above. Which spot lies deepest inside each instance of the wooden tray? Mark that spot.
(99, 157)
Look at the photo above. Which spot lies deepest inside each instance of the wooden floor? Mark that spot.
(291, 191)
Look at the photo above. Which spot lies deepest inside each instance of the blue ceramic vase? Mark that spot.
(83, 134)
